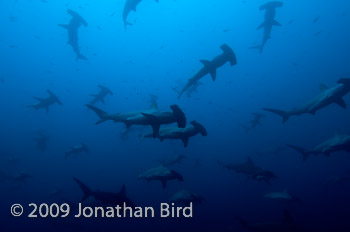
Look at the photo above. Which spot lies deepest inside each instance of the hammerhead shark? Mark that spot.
(107, 198)
(130, 5)
(251, 170)
(74, 150)
(100, 97)
(210, 67)
(326, 97)
(45, 103)
(181, 133)
(270, 12)
(162, 174)
(72, 29)
(337, 143)
(152, 117)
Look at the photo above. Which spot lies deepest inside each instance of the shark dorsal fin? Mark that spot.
(153, 105)
(123, 191)
(323, 87)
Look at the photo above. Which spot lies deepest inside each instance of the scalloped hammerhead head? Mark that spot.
(181, 133)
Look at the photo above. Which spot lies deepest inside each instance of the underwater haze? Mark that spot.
(238, 108)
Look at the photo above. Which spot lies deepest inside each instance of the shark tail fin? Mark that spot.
(302, 151)
(87, 192)
(285, 115)
(100, 113)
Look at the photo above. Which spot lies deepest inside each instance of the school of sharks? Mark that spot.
(168, 146)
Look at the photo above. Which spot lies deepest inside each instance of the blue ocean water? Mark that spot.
(153, 59)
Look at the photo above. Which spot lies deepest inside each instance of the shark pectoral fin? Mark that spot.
(127, 125)
(103, 101)
(134, 8)
(205, 62)
(213, 74)
(275, 23)
(66, 26)
(185, 141)
(47, 109)
(163, 183)
(341, 103)
(260, 26)
(155, 128)
(323, 87)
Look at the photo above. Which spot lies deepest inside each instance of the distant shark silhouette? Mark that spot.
(185, 197)
(270, 12)
(283, 196)
(107, 198)
(45, 103)
(72, 29)
(162, 174)
(250, 170)
(74, 150)
(130, 5)
(211, 66)
(100, 97)
(256, 121)
(326, 97)
(337, 143)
